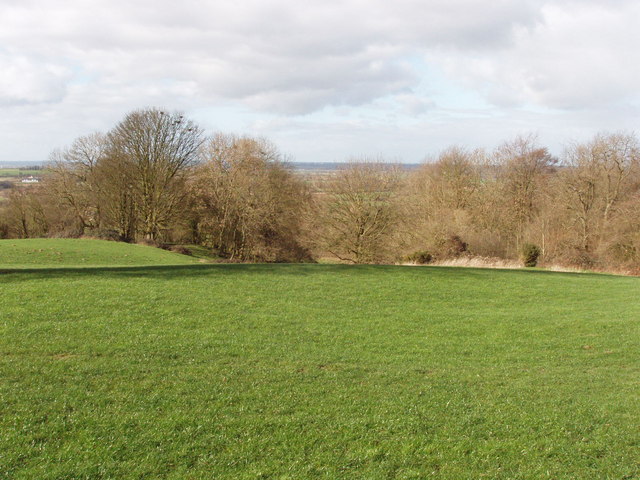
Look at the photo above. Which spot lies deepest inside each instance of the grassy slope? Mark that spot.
(317, 371)
(83, 252)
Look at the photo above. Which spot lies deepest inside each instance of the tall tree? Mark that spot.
(73, 179)
(602, 173)
(156, 148)
(439, 198)
(522, 167)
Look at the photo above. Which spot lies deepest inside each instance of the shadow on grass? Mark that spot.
(168, 271)
(183, 271)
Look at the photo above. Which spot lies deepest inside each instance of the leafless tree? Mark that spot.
(247, 202)
(156, 148)
(73, 179)
(357, 212)
(601, 174)
(523, 166)
(441, 195)
(25, 213)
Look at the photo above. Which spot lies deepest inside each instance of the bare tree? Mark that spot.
(74, 182)
(247, 202)
(357, 212)
(455, 178)
(118, 194)
(523, 166)
(156, 148)
(601, 174)
(153, 177)
(25, 213)
(438, 200)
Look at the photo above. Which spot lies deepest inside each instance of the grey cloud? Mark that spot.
(268, 54)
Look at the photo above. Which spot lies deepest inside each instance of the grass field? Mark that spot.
(16, 172)
(43, 253)
(316, 371)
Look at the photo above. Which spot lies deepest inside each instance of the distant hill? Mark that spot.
(331, 166)
(28, 165)
(303, 166)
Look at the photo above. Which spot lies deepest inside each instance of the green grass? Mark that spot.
(42, 253)
(317, 371)
(16, 172)
(202, 253)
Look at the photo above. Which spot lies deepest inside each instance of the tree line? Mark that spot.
(157, 178)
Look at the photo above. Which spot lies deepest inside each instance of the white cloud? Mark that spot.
(25, 81)
(269, 54)
(580, 56)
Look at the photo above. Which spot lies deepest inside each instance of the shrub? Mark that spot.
(624, 252)
(179, 249)
(420, 257)
(582, 259)
(450, 247)
(530, 254)
(149, 242)
(104, 234)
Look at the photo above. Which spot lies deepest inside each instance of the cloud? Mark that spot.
(355, 72)
(25, 81)
(280, 56)
(577, 57)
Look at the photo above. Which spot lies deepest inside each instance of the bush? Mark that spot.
(451, 246)
(181, 249)
(581, 259)
(149, 242)
(420, 258)
(530, 254)
(624, 252)
(104, 234)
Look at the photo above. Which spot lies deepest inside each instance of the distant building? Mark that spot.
(30, 179)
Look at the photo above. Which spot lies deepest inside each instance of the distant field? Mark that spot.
(312, 371)
(15, 172)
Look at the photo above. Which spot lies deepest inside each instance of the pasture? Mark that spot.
(19, 172)
(121, 364)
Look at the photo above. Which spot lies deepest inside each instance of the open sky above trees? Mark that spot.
(323, 80)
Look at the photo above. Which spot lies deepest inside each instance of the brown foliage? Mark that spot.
(247, 203)
(357, 212)
(152, 178)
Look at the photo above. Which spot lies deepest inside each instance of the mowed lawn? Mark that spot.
(317, 371)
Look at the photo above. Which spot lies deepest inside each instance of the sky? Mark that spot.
(324, 80)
